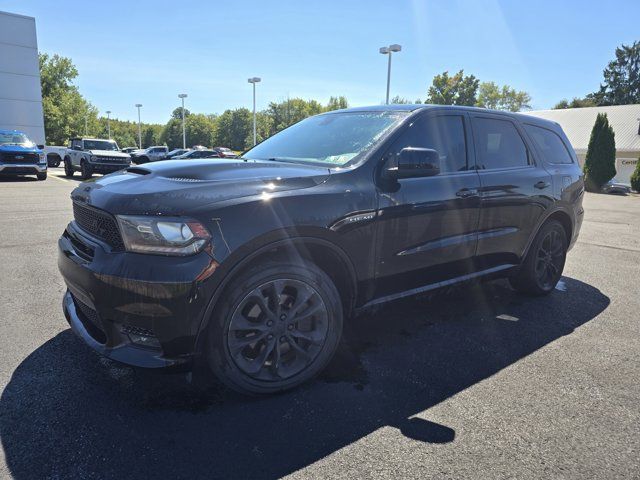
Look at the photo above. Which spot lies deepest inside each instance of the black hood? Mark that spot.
(176, 187)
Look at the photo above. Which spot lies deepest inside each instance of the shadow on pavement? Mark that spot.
(67, 413)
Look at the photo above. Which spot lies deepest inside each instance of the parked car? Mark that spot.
(94, 155)
(150, 154)
(253, 266)
(615, 187)
(129, 150)
(224, 152)
(20, 156)
(54, 155)
(194, 154)
(176, 152)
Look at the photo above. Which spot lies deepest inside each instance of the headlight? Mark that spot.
(43, 158)
(162, 236)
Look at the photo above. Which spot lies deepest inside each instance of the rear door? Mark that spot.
(427, 226)
(515, 189)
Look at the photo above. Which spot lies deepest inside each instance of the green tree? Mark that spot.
(234, 128)
(635, 177)
(65, 110)
(290, 111)
(200, 130)
(336, 103)
(398, 100)
(576, 103)
(621, 84)
(495, 97)
(453, 90)
(600, 163)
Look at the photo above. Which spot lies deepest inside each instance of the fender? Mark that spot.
(541, 222)
(246, 259)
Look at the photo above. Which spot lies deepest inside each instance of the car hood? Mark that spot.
(108, 153)
(18, 148)
(178, 187)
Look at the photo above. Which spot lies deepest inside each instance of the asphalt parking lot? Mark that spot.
(478, 382)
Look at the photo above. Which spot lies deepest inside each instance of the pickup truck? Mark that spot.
(54, 155)
(20, 156)
(150, 154)
(94, 155)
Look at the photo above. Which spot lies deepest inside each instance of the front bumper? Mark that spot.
(22, 168)
(112, 297)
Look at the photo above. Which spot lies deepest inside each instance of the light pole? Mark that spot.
(387, 51)
(253, 81)
(184, 132)
(86, 124)
(138, 105)
(108, 125)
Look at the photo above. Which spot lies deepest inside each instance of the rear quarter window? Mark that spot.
(550, 144)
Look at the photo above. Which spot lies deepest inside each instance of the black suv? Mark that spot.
(253, 264)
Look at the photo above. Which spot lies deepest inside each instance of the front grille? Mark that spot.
(90, 320)
(113, 160)
(99, 224)
(15, 157)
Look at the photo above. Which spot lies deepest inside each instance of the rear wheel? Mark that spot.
(542, 268)
(68, 168)
(275, 327)
(85, 170)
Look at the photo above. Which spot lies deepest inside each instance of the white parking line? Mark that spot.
(60, 178)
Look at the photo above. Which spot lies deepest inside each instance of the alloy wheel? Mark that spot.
(549, 260)
(278, 330)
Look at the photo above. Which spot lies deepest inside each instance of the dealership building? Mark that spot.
(20, 94)
(578, 123)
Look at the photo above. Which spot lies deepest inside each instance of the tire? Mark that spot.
(543, 265)
(141, 160)
(85, 170)
(68, 168)
(294, 341)
(53, 160)
(42, 176)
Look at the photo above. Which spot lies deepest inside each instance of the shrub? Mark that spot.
(635, 177)
(600, 163)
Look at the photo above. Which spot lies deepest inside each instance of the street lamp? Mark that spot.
(108, 125)
(86, 124)
(184, 132)
(253, 81)
(387, 51)
(138, 105)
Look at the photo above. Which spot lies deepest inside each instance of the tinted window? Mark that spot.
(498, 144)
(552, 147)
(444, 134)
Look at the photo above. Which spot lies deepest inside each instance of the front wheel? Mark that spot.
(543, 265)
(68, 168)
(85, 170)
(42, 176)
(275, 327)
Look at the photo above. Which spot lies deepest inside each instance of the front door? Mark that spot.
(427, 226)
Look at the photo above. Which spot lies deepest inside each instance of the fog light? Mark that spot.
(141, 336)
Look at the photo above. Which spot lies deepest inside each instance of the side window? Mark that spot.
(498, 144)
(553, 148)
(444, 134)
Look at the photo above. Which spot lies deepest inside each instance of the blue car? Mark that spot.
(20, 156)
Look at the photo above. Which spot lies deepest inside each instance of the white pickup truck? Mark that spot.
(54, 155)
(94, 155)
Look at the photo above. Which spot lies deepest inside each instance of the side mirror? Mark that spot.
(40, 147)
(416, 162)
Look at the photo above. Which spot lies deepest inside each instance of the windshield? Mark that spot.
(15, 138)
(333, 139)
(100, 145)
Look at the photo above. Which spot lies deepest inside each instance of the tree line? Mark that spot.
(67, 113)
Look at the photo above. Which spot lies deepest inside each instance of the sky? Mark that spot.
(146, 52)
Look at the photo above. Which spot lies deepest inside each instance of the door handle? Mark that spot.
(466, 192)
(542, 185)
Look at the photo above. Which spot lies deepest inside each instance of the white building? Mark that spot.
(20, 94)
(577, 123)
